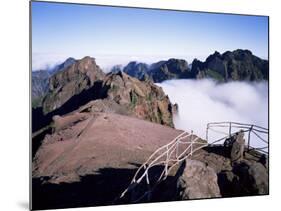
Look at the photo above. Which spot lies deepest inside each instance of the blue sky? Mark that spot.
(116, 35)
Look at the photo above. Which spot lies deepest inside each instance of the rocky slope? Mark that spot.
(70, 82)
(96, 136)
(84, 81)
(90, 158)
(144, 100)
(83, 142)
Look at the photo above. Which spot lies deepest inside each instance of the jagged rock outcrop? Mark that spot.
(76, 78)
(143, 99)
(198, 181)
(237, 149)
(240, 172)
(171, 69)
(235, 65)
(230, 66)
(159, 71)
(137, 70)
(235, 146)
(84, 81)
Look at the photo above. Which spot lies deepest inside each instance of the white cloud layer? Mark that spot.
(204, 101)
(43, 61)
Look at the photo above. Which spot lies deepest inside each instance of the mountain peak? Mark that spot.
(232, 65)
(87, 58)
(72, 80)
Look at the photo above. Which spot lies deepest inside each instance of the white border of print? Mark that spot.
(14, 150)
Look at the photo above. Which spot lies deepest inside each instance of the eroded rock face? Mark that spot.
(71, 81)
(237, 148)
(198, 181)
(235, 65)
(143, 99)
(84, 81)
(171, 69)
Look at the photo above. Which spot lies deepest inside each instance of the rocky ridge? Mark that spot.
(237, 65)
(40, 81)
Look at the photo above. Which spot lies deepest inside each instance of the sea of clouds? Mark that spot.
(204, 101)
(45, 61)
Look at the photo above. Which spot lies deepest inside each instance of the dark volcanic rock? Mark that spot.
(137, 70)
(246, 178)
(235, 65)
(253, 177)
(159, 71)
(171, 69)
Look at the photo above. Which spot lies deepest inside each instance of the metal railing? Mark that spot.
(234, 127)
(182, 147)
(168, 156)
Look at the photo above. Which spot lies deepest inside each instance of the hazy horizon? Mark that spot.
(117, 35)
(106, 62)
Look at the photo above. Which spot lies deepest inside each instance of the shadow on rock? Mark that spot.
(92, 190)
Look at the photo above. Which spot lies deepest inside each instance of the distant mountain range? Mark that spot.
(239, 65)
(229, 66)
(40, 80)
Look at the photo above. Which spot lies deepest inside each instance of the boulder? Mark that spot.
(246, 178)
(237, 148)
(197, 181)
(234, 146)
(253, 177)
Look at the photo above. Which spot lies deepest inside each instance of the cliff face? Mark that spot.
(40, 81)
(238, 65)
(84, 81)
(159, 71)
(70, 82)
(235, 65)
(171, 69)
(144, 99)
(137, 70)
